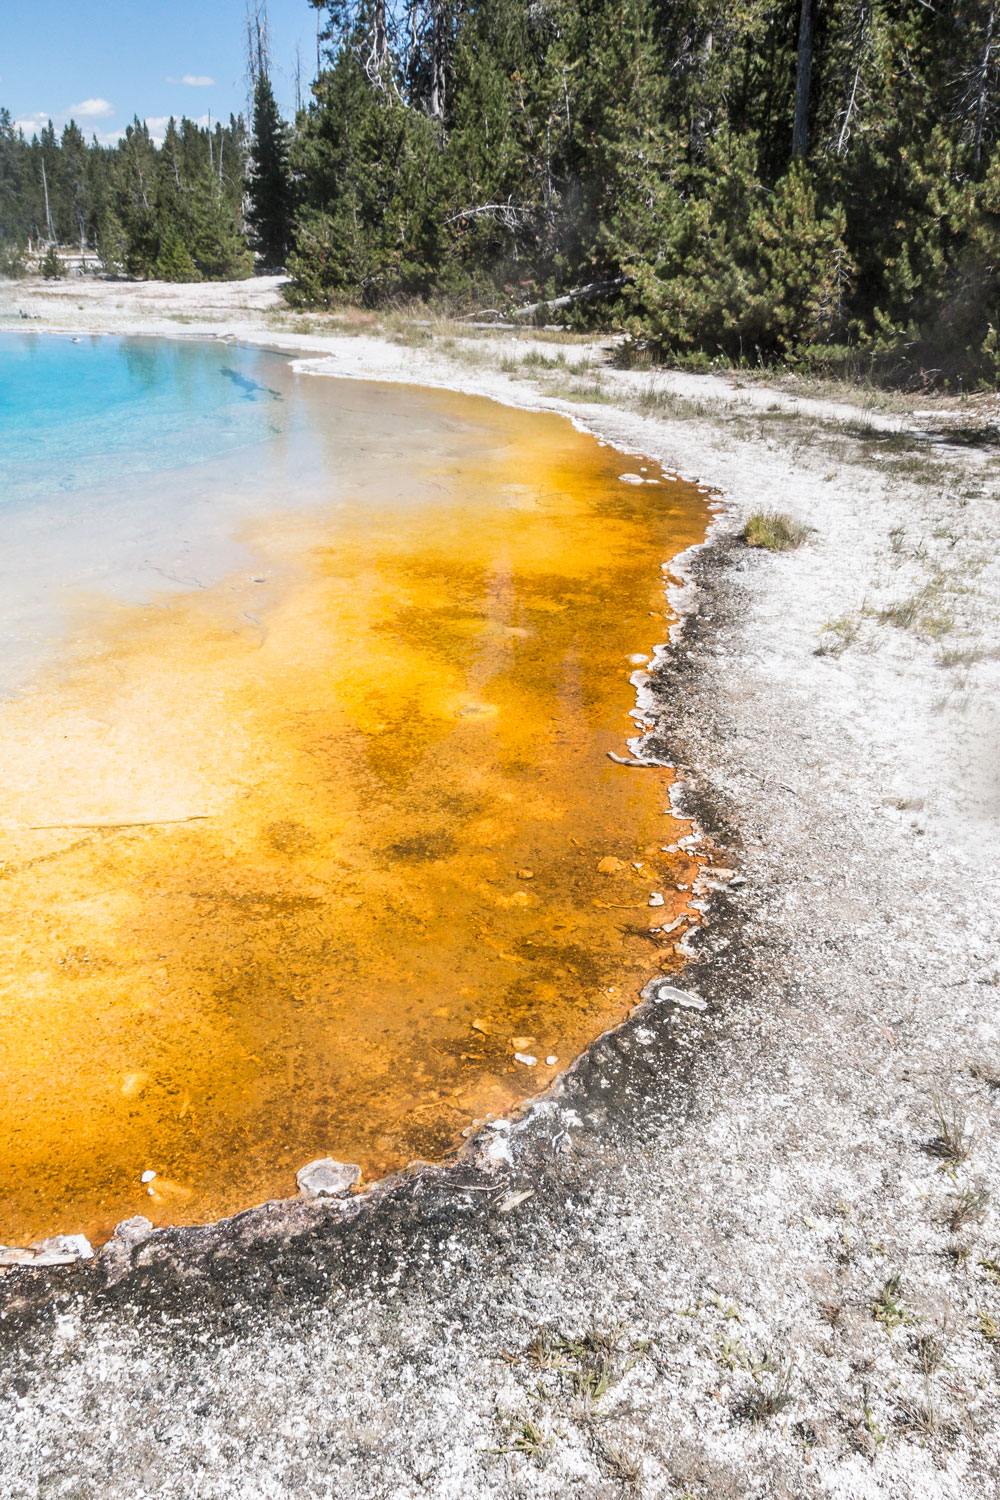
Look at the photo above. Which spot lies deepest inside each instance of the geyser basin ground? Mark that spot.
(308, 821)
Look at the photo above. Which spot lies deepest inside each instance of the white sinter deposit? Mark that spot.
(760, 1239)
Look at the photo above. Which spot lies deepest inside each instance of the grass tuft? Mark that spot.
(768, 1397)
(921, 1417)
(591, 1363)
(526, 1437)
(774, 531)
(988, 1327)
(619, 1464)
(887, 1308)
(967, 1207)
(930, 1352)
(875, 1435)
(952, 1142)
(837, 635)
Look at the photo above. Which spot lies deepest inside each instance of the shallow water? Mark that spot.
(296, 859)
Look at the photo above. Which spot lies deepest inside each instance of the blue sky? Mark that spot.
(103, 61)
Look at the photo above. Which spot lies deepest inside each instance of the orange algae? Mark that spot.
(298, 879)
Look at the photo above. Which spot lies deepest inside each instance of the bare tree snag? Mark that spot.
(439, 51)
(984, 74)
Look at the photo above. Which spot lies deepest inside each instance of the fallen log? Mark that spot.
(579, 294)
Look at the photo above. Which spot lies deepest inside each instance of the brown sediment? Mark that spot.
(299, 880)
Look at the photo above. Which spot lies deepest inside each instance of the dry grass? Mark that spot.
(837, 635)
(967, 1207)
(952, 1143)
(768, 1398)
(930, 1352)
(591, 1363)
(774, 530)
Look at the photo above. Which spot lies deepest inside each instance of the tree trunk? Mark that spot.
(438, 55)
(381, 41)
(48, 213)
(859, 42)
(984, 74)
(803, 77)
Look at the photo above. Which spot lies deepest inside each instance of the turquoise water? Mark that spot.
(133, 468)
(129, 468)
(76, 413)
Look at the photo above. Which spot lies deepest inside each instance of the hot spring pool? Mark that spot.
(308, 822)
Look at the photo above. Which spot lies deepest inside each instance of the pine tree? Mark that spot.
(488, 156)
(51, 266)
(174, 261)
(268, 181)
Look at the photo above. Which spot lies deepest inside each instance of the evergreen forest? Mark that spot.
(800, 181)
(173, 211)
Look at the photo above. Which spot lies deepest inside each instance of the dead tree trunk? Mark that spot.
(859, 43)
(381, 38)
(984, 74)
(48, 212)
(803, 77)
(439, 53)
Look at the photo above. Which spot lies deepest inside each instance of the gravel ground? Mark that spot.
(759, 1256)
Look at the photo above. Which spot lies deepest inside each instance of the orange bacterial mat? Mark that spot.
(295, 869)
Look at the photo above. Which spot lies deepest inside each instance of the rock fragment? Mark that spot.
(326, 1178)
(514, 1199)
(58, 1250)
(133, 1231)
(661, 990)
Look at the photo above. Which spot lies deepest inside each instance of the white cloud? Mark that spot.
(91, 109)
(32, 124)
(157, 125)
(195, 80)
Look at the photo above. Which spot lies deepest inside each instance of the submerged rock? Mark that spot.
(327, 1178)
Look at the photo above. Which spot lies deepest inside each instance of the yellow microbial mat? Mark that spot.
(294, 864)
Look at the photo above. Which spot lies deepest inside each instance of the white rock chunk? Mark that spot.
(661, 990)
(326, 1178)
(58, 1250)
(76, 1246)
(133, 1231)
